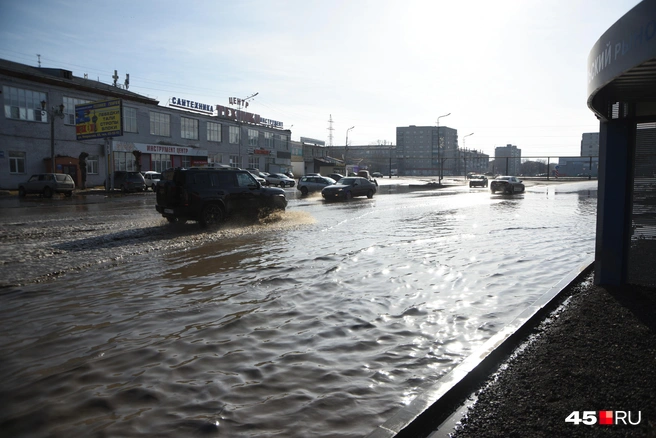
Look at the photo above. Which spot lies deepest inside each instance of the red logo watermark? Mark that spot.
(604, 418)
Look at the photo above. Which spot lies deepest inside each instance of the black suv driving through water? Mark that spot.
(210, 195)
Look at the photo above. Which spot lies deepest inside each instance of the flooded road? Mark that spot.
(322, 321)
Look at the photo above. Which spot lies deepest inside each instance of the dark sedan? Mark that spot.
(507, 184)
(349, 187)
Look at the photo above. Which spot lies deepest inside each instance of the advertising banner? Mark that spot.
(99, 119)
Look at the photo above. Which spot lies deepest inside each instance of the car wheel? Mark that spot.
(47, 192)
(512, 190)
(212, 214)
(370, 194)
(348, 196)
(304, 191)
(21, 192)
(493, 191)
(123, 188)
(470, 185)
(68, 194)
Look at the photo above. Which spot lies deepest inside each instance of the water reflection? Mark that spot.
(320, 322)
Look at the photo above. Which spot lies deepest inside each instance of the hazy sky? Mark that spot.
(511, 72)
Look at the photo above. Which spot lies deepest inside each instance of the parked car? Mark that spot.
(151, 178)
(209, 196)
(507, 184)
(309, 184)
(128, 181)
(377, 175)
(46, 184)
(477, 181)
(289, 174)
(335, 176)
(349, 187)
(279, 179)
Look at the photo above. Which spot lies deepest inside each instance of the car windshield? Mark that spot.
(133, 177)
(348, 181)
(503, 178)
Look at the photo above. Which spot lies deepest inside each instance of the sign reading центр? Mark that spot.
(99, 119)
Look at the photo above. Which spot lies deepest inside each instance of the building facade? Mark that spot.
(507, 160)
(425, 150)
(590, 144)
(154, 137)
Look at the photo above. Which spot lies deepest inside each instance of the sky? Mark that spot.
(508, 71)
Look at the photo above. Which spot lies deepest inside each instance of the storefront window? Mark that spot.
(254, 161)
(161, 162)
(124, 161)
(234, 160)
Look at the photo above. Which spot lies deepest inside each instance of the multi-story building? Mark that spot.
(507, 160)
(424, 150)
(374, 158)
(154, 137)
(590, 144)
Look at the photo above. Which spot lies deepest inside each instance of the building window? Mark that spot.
(160, 162)
(213, 131)
(268, 140)
(234, 134)
(216, 158)
(24, 104)
(92, 164)
(189, 128)
(284, 144)
(234, 160)
(253, 136)
(69, 109)
(125, 161)
(130, 119)
(160, 124)
(16, 162)
(186, 161)
(253, 161)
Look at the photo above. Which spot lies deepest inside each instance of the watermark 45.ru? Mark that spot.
(607, 418)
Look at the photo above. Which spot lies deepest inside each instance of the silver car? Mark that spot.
(46, 184)
(309, 184)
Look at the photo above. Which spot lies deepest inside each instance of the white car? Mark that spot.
(151, 178)
(279, 179)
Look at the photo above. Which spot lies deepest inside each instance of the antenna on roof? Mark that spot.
(115, 77)
(39, 59)
(127, 81)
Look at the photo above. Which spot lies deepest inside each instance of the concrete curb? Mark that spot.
(428, 411)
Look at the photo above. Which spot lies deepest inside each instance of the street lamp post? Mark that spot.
(439, 157)
(346, 150)
(54, 112)
(464, 152)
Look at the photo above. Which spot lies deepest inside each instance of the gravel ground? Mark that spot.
(596, 352)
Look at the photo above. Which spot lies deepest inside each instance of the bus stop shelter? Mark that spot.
(622, 94)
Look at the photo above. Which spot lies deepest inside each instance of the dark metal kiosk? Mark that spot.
(622, 94)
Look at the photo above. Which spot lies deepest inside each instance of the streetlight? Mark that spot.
(346, 150)
(439, 159)
(464, 152)
(54, 112)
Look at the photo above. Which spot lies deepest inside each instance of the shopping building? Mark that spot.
(39, 123)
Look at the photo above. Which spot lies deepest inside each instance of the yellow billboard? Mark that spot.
(99, 119)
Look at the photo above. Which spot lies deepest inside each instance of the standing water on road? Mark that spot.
(323, 321)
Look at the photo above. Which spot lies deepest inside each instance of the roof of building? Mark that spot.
(64, 78)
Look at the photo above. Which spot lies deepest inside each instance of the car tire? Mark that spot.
(348, 196)
(47, 192)
(471, 185)
(21, 192)
(175, 220)
(123, 188)
(212, 214)
(68, 194)
(304, 191)
(370, 194)
(512, 190)
(493, 191)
